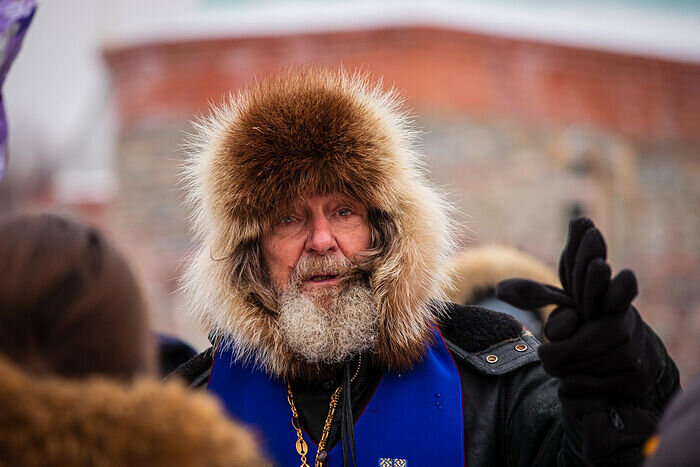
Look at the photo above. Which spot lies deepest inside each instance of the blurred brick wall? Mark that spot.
(438, 70)
(520, 133)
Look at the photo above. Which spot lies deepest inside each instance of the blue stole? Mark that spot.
(413, 418)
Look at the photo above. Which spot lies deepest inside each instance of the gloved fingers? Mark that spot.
(621, 292)
(594, 288)
(630, 370)
(529, 295)
(622, 383)
(589, 341)
(592, 247)
(562, 322)
(577, 228)
(621, 358)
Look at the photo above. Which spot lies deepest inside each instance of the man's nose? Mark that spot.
(320, 237)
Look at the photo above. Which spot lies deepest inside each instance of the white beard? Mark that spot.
(330, 326)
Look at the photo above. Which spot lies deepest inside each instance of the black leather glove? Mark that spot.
(599, 347)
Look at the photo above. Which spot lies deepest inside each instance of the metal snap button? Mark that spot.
(491, 358)
(521, 348)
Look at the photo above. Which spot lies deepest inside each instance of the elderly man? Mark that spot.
(320, 278)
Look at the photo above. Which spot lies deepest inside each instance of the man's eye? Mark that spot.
(286, 220)
(344, 212)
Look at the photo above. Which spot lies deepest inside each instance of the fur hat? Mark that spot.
(289, 136)
(475, 272)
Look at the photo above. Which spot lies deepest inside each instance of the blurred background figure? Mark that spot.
(476, 271)
(15, 17)
(52, 421)
(676, 441)
(69, 303)
(533, 112)
(74, 329)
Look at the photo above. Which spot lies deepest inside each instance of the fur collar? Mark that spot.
(474, 328)
(56, 421)
(289, 136)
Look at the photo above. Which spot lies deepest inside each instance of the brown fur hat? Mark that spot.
(53, 421)
(476, 271)
(289, 136)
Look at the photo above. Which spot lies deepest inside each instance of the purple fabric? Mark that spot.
(15, 16)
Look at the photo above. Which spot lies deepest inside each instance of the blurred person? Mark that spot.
(15, 17)
(476, 271)
(321, 275)
(69, 303)
(74, 331)
(675, 443)
(54, 421)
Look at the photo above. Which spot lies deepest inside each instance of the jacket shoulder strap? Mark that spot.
(501, 358)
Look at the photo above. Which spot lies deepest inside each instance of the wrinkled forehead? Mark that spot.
(329, 200)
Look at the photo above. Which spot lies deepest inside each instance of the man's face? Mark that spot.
(307, 253)
(322, 225)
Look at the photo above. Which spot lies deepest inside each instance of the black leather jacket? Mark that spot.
(512, 414)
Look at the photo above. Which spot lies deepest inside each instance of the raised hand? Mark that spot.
(598, 344)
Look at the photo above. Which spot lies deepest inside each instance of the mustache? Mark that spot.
(317, 265)
(310, 266)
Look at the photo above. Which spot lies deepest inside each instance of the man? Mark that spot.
(320, 278)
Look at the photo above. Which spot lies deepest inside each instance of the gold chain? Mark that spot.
(357, 370)
(302, 447)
